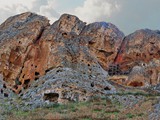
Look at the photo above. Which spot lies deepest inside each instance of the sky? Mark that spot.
(127, 15)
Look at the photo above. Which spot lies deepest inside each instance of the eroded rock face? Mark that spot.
(104, 41)
(142, 49)
(30, 48)
(62, 85)
(17, 35)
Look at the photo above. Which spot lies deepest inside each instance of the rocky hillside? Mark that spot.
(31, 47)
(73, 61)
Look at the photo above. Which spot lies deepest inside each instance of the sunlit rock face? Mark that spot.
(31, 47)
(141, 49)
(37, 55)
(17, 36)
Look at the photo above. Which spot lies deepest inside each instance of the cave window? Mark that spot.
(47, 70)
(36, 73)
(1, 91)
(5, 95)
(52, 97)
(107, 88)
(36, 78)
(64, 34)
(26, 82)
(136, 84)
(23, 76)
(143, 64)
(4, 86)
(92, 84)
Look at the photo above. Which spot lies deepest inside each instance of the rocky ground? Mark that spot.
(74, 70)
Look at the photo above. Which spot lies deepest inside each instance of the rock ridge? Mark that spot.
(35, 55)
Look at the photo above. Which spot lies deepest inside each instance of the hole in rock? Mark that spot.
(36, 73)
(84, 99)
(47, 70)
(1, 91)
(26, 82)
(68, 17)
(136, 84)
(13, 91)
(92, 84)
(64, 34)
(23, 76)
(5, 95)
(36, 78)
(52, 97)
(4, 86)
(59, 71)
(107, 88)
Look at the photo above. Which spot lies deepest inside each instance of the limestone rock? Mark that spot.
(141, 48)
(17, 34)
(61, 85)
(104, 41)
(30, 47)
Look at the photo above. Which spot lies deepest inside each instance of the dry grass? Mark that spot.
(98, 109)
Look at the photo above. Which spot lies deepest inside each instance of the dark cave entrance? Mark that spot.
(52, 97)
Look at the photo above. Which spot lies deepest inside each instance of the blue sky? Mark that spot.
(127, 15)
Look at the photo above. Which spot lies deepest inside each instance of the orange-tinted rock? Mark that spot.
(104, 41)
(36, 48)
(142, 49)
(17, 34)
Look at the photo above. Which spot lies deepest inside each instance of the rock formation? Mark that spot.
(71, 60)
(139, 57)
(31, 47)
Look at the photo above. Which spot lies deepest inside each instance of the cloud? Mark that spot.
(128, 15)
(97, 10)
(43, 7)
(137, 14)
(49, 10)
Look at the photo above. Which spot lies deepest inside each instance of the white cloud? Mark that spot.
(49, 11)
(43, 7)
(128, 15)
(96, 10)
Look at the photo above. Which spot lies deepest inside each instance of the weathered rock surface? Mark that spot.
(17, 35)
(30, 48)
(72, 61)
(141, 49)
(62, 85)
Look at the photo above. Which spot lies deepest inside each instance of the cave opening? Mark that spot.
(136, 84)
(52, 97)
(107, 88)
(26, 83)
